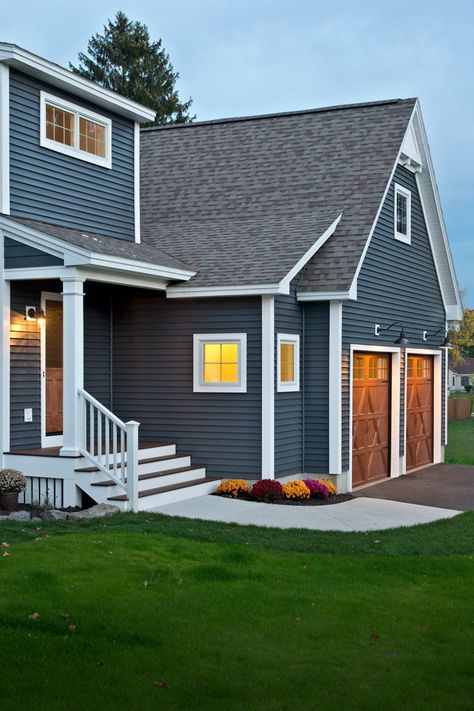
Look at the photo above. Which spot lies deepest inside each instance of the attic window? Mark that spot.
(402, 214)
(74, 131)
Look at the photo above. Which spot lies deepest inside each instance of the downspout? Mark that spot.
(111, 353)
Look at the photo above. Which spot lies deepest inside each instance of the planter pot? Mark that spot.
(9, 502)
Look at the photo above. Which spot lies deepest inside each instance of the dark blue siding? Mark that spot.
(153, 378)
(21, 256)
(397, 282)
(289, 406)
(62, 190)
(316, 387)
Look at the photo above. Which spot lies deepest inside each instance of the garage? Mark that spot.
(371, 417)
(419, 445)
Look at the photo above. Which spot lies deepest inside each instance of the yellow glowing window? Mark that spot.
(287, 362)
(60, 125)
(221, 363)
(92, 137)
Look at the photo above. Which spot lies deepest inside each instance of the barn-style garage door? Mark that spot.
(370, 418)
(419, 411)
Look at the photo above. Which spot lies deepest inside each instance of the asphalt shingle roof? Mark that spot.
(242, 200)
(464, 368)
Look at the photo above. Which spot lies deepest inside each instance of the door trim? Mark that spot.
(437, 404)
(55, 440)
(394, 405)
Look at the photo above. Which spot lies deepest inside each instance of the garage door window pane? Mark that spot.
(358, 368)
(378, 368)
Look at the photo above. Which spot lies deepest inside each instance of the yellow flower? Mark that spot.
(296, 489)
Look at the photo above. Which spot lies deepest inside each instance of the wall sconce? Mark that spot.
(402, 339)
(445, 343)
(37, 314)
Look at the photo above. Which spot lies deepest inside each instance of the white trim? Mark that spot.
(4, 139)
(294, 385)
(335, 387)
(4, 358)
(53, 440)
(350, 295)
(268, 387)
(89, 274)
(400, 190)
(199, 339)
(395, 385)
(78, 112)
(437, 402)
(73, 362)
(64, 79)
(136, 180)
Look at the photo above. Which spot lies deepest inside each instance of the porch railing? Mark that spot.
(111, 445)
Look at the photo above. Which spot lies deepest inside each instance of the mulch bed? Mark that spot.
(336, 499)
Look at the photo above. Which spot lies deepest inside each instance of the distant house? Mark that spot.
(254, 297)
(461, 375)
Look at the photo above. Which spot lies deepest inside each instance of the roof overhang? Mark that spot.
(57, 76)
(75, 256)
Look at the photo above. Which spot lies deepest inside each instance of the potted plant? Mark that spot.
(11, 483)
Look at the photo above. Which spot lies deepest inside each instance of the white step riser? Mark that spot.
(155, 482)
(150, 467)
(171, 497)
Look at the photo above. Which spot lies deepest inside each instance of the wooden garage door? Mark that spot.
(370, 418)
(419, 411)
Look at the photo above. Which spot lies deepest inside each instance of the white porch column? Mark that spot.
(268, 388)
(4, 357)
(335, 387)
(73, 362)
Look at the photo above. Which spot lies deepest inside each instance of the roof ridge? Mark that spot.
(278, 114)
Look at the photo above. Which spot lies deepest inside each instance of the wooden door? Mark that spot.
(54, 367)
(419, 450)
(370, 417)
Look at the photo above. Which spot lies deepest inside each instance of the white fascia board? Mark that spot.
(350, 295)
(136, 180)
(176, 292)
(285, 283)
(88, 274)
(64, 79)
(4, 139)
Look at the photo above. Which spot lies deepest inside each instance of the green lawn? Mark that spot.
(460, 449)
(145, 612)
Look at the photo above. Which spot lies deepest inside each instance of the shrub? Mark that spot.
(233, 487)
(267, 490)
(11, 481)
(296, 489)
(329, 485)
(317, 489)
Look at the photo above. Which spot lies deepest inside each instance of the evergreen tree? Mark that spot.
(125, 60)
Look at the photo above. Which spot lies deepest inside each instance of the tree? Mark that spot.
(463, 338)
(124, 60)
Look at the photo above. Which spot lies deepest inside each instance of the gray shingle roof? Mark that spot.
(464, 368)
(242, 200)
(102, 244)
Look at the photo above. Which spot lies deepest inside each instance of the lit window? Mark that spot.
(288, 367)
(378, 367)
(77, 132)
(359, 367)
(402, 214)
(220, 362)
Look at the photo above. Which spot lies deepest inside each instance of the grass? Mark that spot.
(148, 612)
(457, 394)
(460, 449)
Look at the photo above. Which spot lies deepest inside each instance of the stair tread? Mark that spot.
(147, 460)
(163, 489)
(151, 475)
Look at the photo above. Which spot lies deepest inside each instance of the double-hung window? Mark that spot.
(220, 362)
(70, 129)
(288, 362)
(402, 214)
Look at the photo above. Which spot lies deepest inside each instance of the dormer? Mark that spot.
(69, 149)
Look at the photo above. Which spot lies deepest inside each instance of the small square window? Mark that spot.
(402, 216)
(288, 366)
(220, 362)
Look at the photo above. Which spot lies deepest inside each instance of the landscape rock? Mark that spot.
(19, 516)
(54, 515)
(97, 511)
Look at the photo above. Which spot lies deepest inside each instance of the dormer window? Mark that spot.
(74, 131)
(402, 214)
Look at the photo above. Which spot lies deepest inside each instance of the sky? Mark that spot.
(245, 57)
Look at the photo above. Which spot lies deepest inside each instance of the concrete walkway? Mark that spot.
(360, 514)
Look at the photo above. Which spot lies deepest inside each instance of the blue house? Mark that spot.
(256, 297)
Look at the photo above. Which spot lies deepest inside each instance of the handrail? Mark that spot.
(111, 445)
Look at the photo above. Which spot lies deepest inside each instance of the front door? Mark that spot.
(370, 418)
(419, 411)
(53, 370)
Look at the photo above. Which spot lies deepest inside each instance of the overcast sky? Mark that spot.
(239, 57)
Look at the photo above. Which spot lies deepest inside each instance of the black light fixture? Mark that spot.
(34, 313)
(445, 343)
(402, 339)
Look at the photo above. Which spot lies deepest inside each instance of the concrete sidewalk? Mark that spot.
(360, 514)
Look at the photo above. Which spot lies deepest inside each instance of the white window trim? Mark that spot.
(79, 111)
(199, 339)
(399, 189)
(294, 386)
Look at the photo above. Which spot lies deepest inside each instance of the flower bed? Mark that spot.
(300, 492)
